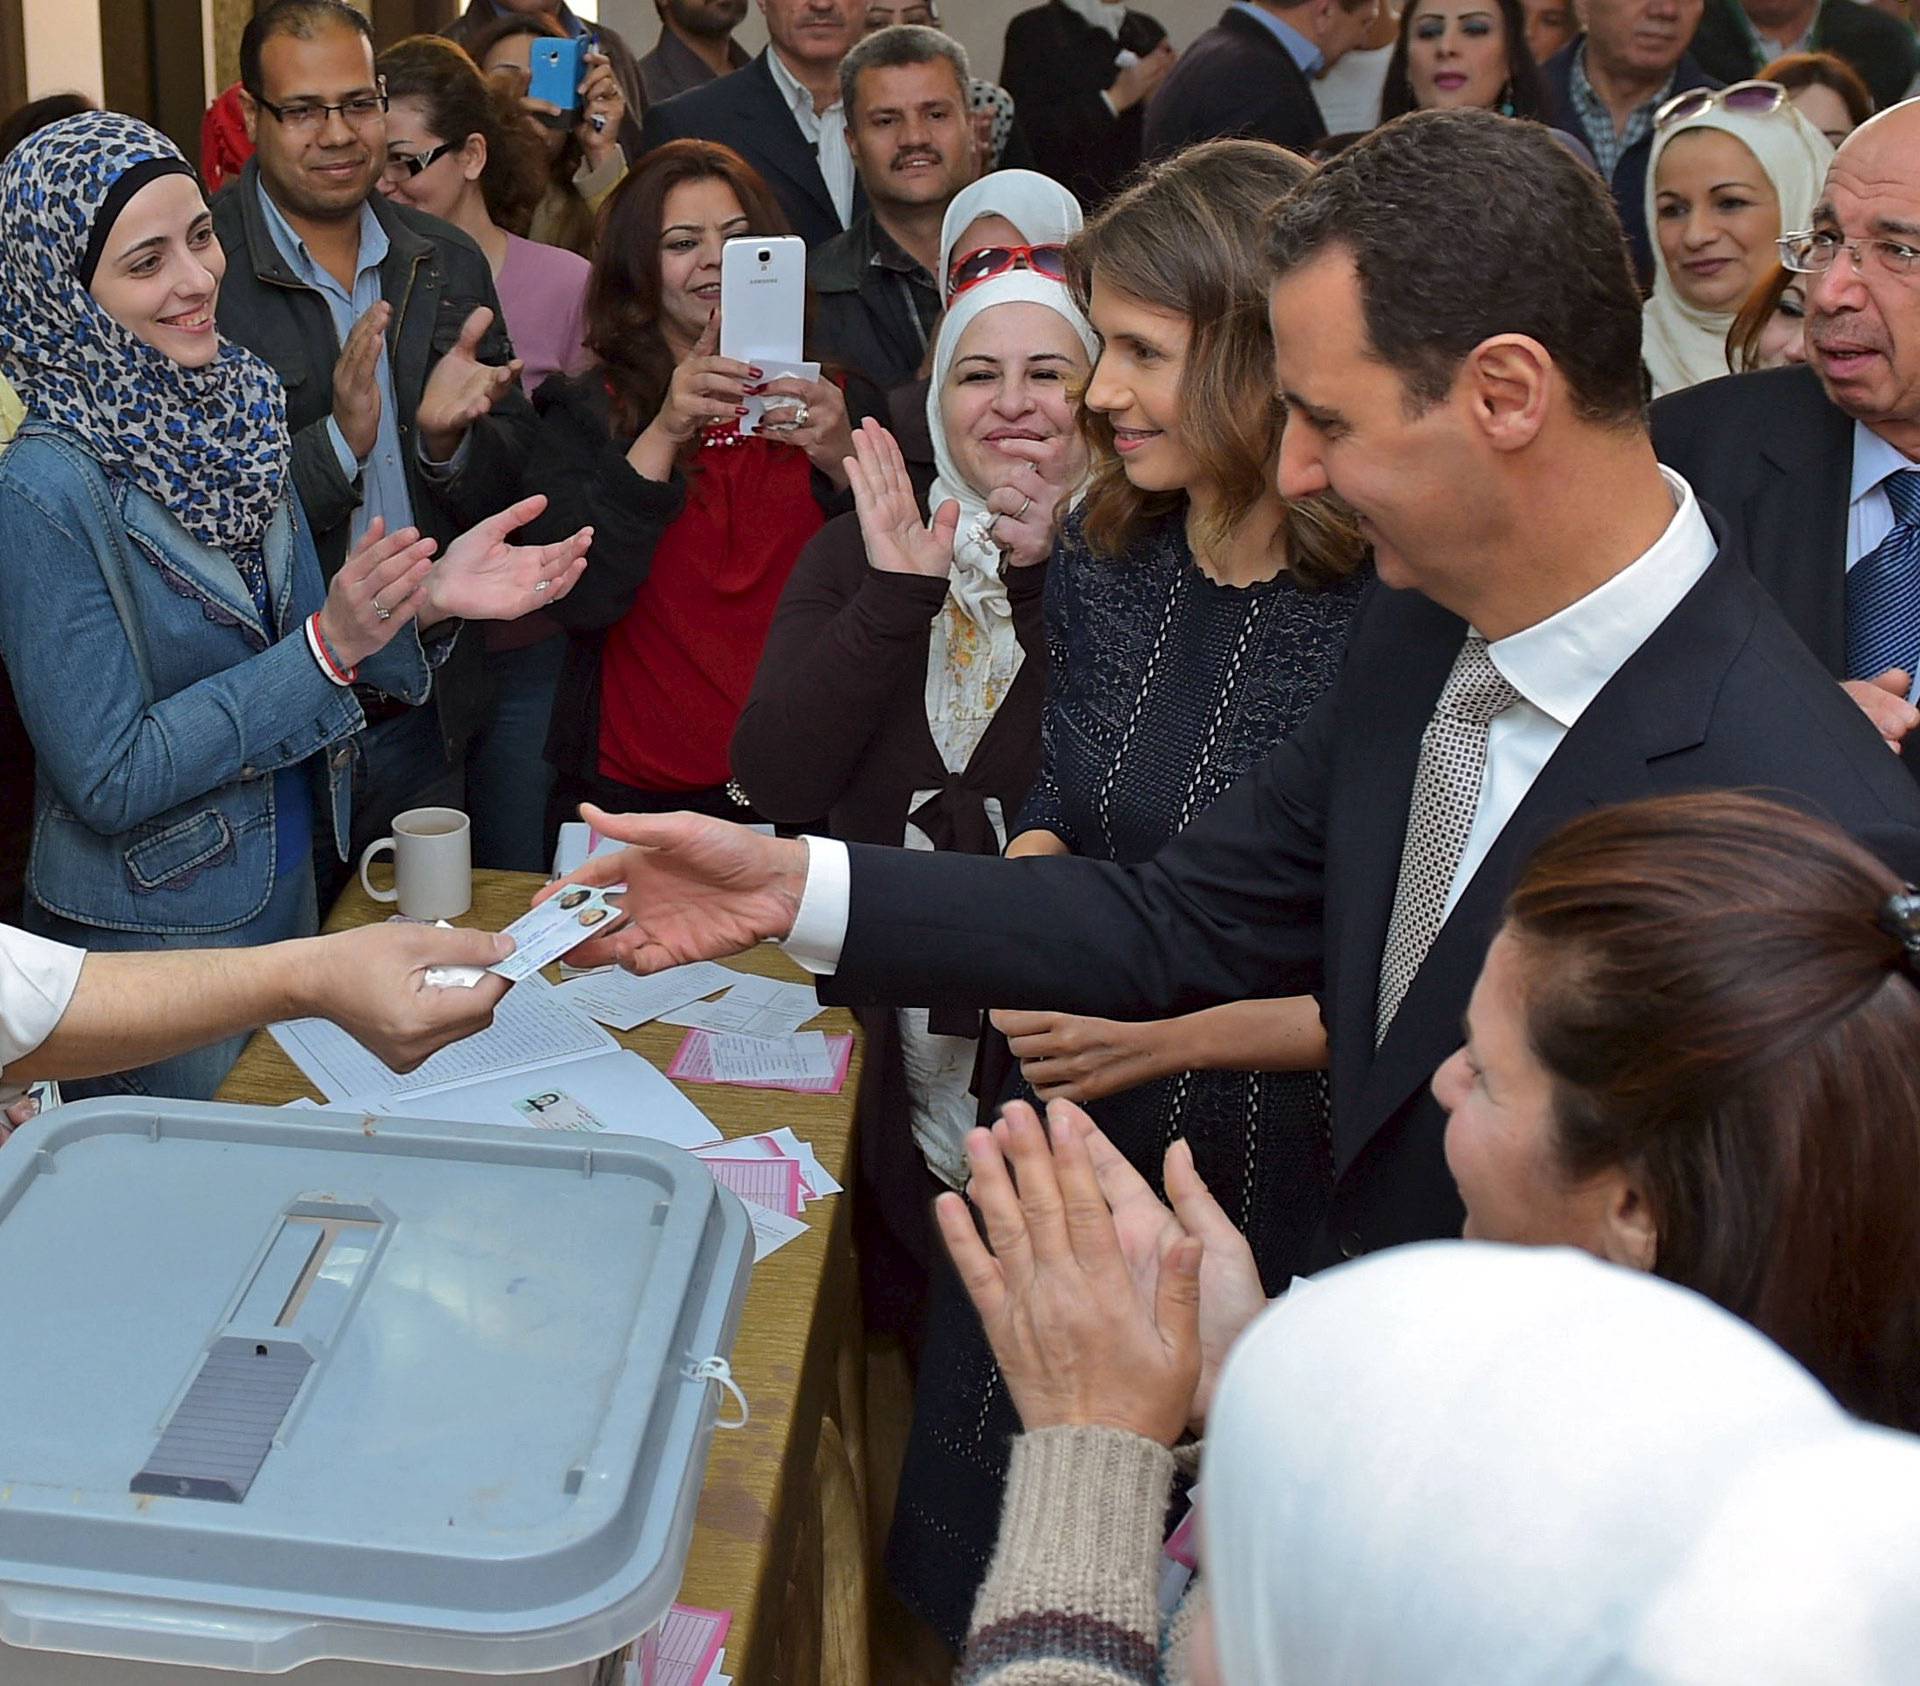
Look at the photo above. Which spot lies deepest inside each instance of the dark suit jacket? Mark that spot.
(1773, 456)
(1237, 79)
(1286, 883)
(1878, 45)
(746, 112)
(1056, 65)
(1629, 179)
(673, 67)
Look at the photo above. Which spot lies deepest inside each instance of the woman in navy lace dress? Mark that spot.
(1193, 620)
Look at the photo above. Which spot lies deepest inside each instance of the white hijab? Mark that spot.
(965, 685)
(1045, 213)
(1681, 344)
(1460, 1464)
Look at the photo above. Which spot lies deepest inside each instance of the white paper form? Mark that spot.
(754, 1059)
(753, 1007)
(621, 1001)
(531, 1028)
(622, 1091)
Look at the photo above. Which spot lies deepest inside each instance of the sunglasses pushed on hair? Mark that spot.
(972, 268)
(1750, 99)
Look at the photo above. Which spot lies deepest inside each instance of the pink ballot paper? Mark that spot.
(772, 1183)
(694, 1063)
(685, 1648)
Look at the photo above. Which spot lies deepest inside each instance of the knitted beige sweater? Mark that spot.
(1072, 1596)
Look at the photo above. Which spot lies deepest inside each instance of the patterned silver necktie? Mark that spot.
(1446, 791)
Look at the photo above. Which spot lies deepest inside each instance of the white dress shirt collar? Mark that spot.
(1562, 663)
(1102, 14)
(1873, 460)
(825, 131)
(796, 95)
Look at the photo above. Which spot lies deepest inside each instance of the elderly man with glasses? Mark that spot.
(1817, 467)
(385, 327)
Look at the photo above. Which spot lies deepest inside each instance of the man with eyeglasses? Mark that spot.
(1817, 467)
(384, 325)
(911, 133)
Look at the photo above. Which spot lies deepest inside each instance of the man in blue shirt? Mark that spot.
(384, 325)
(1252, 74)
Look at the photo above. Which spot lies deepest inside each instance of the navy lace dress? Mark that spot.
(1163, 688)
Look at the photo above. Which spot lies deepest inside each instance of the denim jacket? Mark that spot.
(159, 704)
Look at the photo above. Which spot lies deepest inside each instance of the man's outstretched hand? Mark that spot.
(697, 888)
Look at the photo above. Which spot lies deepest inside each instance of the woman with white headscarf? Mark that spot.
(1452, 1464)
(1732, 170)
(899, 691)
(1018, 215)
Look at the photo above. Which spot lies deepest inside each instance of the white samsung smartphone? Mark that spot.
(763, 298)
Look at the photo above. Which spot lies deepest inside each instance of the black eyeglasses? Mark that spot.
(412, 163)
(311, 115)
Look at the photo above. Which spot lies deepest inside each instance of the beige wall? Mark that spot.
(979, 25)
(63, 48)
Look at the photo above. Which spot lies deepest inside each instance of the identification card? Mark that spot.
(557, 926)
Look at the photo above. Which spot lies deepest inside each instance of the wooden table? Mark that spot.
(780, 1538)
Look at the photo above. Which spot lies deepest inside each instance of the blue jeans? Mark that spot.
(290, 912)
(508, 777)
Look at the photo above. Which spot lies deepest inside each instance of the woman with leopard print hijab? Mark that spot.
(184, 672)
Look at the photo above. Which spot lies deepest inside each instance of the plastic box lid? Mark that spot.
(279, 1386)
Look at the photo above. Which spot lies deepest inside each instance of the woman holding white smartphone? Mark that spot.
(702, 522)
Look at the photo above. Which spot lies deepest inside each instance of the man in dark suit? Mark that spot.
(696, 46)
(1607, 86)
(1081, 73)
(1739, 38)
(782, 113)
(1817, 469)
(1252, 74)
(1562, 628)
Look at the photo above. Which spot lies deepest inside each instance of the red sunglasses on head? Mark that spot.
(989, 261)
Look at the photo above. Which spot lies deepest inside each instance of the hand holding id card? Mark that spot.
(557, 926)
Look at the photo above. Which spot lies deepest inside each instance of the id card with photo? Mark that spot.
(557, 926)
(555, 1109)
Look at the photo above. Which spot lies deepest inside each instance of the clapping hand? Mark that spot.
(462, 389)
(897, 540)
(484, 578)
(380, 587)
(356, 390)
(1231, 1293)
(1078, 1342)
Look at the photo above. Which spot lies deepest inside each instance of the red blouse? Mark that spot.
(675, 671)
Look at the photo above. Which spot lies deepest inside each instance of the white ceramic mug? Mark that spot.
(432, 863)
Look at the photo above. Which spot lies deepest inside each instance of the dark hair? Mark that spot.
(1186, 237)
(623, 295)
(36, 115)
(894, 48)
(304, 18)
(461, 103)
(574, 228)
(1743, 338)
(1525, 97)
(1822, 70)
(1463, 225)
(1707, 984)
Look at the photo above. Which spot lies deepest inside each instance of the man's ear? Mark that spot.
(1509, 381)
(250, 115)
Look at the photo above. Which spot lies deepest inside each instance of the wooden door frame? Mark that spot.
(13, 55)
